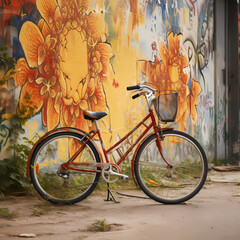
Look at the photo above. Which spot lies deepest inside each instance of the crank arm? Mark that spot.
(120, 175)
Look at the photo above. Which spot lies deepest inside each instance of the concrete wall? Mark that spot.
(233, 81)
(221, 80)
(76, 55)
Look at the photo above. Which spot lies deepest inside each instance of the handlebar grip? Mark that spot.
(136, 96)
(133, 87)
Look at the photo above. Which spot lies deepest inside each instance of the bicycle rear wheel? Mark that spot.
(179, 183)
(68, 186)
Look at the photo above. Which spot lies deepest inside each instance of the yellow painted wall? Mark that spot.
(73, 55)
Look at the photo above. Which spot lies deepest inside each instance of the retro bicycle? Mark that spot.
(170, 166)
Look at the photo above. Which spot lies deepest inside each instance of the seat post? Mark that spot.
(101, 140)
(96, 122)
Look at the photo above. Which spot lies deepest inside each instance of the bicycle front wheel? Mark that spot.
(179, 183)
(63, 186)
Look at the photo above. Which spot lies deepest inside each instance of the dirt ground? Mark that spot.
(213, 214)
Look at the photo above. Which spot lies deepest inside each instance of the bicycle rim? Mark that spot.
(68, 186)
(176, 184)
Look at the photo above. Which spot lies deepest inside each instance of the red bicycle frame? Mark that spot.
(97, 132)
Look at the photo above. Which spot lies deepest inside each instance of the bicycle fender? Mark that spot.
(139, 146)
(63, 129)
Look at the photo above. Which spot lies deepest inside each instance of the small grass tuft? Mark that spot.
(6, 213)
(99, 226)
(38, 212)
(41, 211)
(208, 179)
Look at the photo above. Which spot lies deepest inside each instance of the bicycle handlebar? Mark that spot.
(143, 89)
(136, 96)
(133, 87)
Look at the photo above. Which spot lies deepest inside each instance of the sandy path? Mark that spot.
(213, 214)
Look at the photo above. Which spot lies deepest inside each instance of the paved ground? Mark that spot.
(213, 214)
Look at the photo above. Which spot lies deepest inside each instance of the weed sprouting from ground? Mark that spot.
(6, 213)
(38, 212)
(99, 226)
(41, 211)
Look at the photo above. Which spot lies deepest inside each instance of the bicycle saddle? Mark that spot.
(93, 115)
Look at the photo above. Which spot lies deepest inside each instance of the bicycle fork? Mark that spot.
(159, 145)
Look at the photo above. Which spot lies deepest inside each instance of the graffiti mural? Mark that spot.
(179, 50)
(66, 60)
(73, 55)
(168, 74)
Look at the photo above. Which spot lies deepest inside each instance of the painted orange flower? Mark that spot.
(66, 61)
(168, 74)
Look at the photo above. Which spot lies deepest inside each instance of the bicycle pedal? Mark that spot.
(64, 175)
(124, 177)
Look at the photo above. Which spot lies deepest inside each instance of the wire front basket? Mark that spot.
(166, 106)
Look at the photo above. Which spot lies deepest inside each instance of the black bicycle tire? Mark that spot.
(170, 201)
(36, 185)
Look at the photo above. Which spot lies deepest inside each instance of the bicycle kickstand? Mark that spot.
(110, 196)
